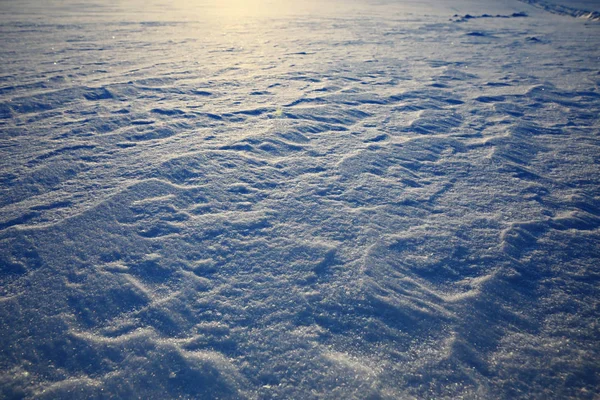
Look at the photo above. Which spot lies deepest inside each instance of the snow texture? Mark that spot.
(360, 199)
(586, 9)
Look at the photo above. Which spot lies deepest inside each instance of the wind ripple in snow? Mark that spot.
(384, 205)
(560, 9)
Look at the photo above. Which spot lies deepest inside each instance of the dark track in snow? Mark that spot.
(588, 13)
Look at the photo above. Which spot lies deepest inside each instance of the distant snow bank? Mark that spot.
(579, 9)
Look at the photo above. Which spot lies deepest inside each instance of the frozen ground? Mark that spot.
(368, 199)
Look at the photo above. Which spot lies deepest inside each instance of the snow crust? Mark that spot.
(586, 9)
(352, 200)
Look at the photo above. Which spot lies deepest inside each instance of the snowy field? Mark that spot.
(352, 199)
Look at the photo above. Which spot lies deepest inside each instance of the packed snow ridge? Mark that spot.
(565, 10)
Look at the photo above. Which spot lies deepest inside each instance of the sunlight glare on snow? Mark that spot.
(231, 9)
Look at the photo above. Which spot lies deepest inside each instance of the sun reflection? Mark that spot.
(234, 9)
(228, 10)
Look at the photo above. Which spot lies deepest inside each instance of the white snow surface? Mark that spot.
(586, 9)
(361, 199)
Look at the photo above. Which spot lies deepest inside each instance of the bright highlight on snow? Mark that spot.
(362, 199)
